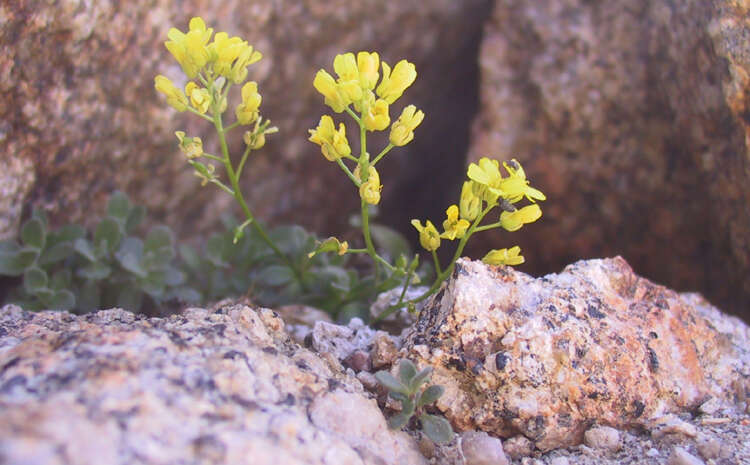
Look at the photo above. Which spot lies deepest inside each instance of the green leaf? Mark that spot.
(60, 300)
(407, 406)
(14, 260)
(95, 271)
(130, 298)
(217, 250)
(398, 420)
(34, 279)
(135, 217)
(399, 396)
(390, 382)
(56, 253)
(186, 294)
(67, 233)
(406, 371)
(292, 240)
(130, 256)
(89, 296)
(118, 206)
(107, 232)
(389, 242)
(420, 378)
(174, 276)
(61, 279)
(436, 428)
(33, 234)
(153, 284)
(430, 395)
(158, 248)
(190, 257)
(84, 247)
(275, 275)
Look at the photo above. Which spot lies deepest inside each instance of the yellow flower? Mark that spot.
(204, 172)
(369, 189)
(247, 57)
(199, 97)
(367, 64)
(346, 67)
(333, 143)
(428, 235)
(394, 84)
(512, 188)
(452, 226)
(376, 116)
(192, 147)
(470, 204)
(190, 50)
(513, 221)
(175, 97)
(223, 51)
(510, 256)
(247, 111)
(334, 97)
(515, 187)
(402, 131)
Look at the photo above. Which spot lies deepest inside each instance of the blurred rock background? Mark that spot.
(633, 117)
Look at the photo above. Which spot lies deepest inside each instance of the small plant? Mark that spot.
(408, 390)
(357, 92)
(68, 269)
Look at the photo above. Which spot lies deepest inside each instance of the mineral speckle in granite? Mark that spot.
(227, 386)
(595, 344)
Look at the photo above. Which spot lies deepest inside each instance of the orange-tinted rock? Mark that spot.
(633, 117)
(549, 357)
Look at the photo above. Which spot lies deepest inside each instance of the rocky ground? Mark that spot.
(234, 385)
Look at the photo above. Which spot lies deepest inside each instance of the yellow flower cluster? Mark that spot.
(357, 86)
(209, 61)
(487, 186)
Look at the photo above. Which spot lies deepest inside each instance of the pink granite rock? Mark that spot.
(549, 357)
(220, 387)
(634, 118)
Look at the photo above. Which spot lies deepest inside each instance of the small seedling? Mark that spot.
(407, 389)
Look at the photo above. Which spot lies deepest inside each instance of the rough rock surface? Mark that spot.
(201, 387)
(79, 103)
(595, 344)
(634, 118)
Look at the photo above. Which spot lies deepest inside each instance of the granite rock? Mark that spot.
(633, 117)
(223, 387)
(80, 113)
(595, 344)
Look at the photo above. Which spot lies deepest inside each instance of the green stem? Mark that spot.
(441, 276)
(233, 178)
(348, 172)
(436, 262)
(382, 154)
(212, 157)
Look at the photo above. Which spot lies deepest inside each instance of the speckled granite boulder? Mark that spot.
(595, 344)
(634, 118)
(224, 387)
(79, 109)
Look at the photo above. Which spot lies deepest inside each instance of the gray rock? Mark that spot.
(680, 456)
(225, 387)
(603, 437)
(479, 448)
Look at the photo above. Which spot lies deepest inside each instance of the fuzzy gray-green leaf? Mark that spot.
(406, 372)
(436, 428)
(390, 382)
(34, 279)
(430, 395)
(118, 206)
(398, 421)
(33, 234)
